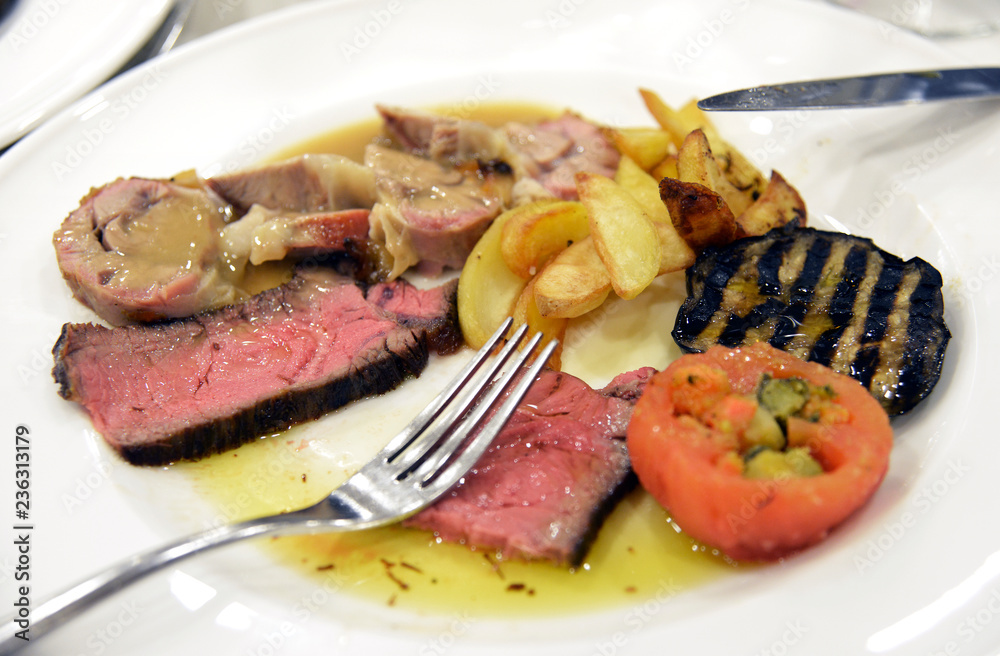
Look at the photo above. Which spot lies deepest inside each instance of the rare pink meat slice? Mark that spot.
(415, 308)
(551, 476)
(188, 388)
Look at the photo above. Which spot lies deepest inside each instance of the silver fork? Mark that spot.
(420, 464)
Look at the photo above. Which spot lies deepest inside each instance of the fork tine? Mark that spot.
(464, 398)
(484, 396)
(403, 439)
(447, 470)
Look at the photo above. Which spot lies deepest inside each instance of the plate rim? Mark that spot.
(236, 32)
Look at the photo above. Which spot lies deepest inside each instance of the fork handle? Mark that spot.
(75, 600)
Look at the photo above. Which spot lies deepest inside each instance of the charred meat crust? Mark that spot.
(627, 387)
(376, 376)
(444, 335)
(60, 372)
(827, 297)
(601, 512)
(153, 391)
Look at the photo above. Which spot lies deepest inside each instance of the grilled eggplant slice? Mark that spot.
(823, 296)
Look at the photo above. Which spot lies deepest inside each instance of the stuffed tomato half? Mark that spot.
(755, 452)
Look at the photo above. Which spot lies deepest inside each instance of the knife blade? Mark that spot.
(879, 90)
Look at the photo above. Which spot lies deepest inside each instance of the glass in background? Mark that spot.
(934, 18)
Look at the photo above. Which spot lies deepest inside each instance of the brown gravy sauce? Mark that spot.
(638, 555)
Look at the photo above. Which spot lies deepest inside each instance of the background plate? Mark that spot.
(54, 51)
(915, 573)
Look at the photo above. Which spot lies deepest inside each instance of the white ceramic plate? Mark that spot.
(54, 51)
(915, 573)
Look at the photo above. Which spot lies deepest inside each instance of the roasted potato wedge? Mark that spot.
(779, 205)
(736, 167)
(739, 170)
(695, 119)
(675, 254)
(526, 312)
(643, 187)
(573, 283)
(623, 233)
(647, 147)
(535, 232)
(696, 163)
(666, 116)
(667, 168)
(701, 216)
(480, 312)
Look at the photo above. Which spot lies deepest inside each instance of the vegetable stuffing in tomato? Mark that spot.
(756, 452)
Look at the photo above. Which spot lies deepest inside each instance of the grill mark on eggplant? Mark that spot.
(887, 378)
(817, 317)
(850, 342)
(882, 301)
(926, 308)
(828, 297)
(768, 268)
(801, 294)
(770, 311)
(738, 327)
(728, 321)
(709, 292)
(862, 367)
(841, 305)
(865, 364)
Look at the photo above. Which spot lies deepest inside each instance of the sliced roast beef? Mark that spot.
(629, 385)
(188, 388)
(550, 478)
(303, 184)
(436, 314)
(432, 214)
